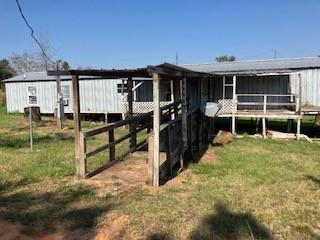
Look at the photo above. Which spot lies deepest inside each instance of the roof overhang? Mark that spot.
(165, 70)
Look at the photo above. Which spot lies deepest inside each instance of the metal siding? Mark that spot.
(310, 82)
(96, 96)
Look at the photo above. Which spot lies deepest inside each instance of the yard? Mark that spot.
(249, 189)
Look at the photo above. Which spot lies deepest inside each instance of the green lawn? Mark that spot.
(254, 189)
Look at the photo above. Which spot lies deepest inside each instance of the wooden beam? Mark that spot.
(76, 121)
(156, 128)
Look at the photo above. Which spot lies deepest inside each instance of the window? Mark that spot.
(32, 95)
(65, 91)
(122, 88)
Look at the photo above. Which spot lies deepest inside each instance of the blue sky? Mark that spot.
(117, 33)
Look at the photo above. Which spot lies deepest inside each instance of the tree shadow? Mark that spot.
(313, 179)
(225, 224)
(72, 208)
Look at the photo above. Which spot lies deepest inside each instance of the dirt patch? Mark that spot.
(10, 231)
(121, 177)
(209, 157)
(110, 230)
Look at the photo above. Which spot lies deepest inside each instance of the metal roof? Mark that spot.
(257, 66)
(34, 76)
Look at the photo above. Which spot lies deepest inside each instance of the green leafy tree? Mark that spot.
(65, 66)
(225, 58)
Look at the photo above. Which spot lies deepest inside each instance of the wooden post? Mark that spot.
(264, 128)
(300, 93)
(234, 97)
(112, 150)
(156, 128)
(265, 97)
(150, 158)
(298, 128)
(82, 156)
(223, 87)
(60, 106)
(76, 120)
(184, 119)
(132, 126)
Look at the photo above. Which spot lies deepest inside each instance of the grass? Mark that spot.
(260, 188)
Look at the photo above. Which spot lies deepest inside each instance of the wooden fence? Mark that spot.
(136, 124)
(171, 144)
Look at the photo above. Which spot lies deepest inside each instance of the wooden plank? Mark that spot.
(108, 127)
(76, 120)
(168, 150)
(156, 128)
(111, 144)
(112, 150)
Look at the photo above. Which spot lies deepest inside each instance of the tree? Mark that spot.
(65, 66)
(36, 61)
(5, 70)
(225, 58)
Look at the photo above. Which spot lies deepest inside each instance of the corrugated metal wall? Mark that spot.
(96, 96)
(310, 82)
(144, 92)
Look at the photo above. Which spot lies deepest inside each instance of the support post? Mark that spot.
(132, 126)
(76, 120)
(172, 98)
(156, 128)
(264, 127)
(234, 97)
(184, 119)
(300, 93)
(223, 87)
(60, 105)
(30, 128)
(265, 97)
(298, 128)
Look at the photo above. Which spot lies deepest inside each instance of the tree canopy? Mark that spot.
(225, 58)
(5, 70)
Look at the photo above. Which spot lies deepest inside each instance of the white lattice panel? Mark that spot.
(142, 107)
(227, 106)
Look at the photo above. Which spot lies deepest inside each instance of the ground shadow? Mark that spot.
(225, 224)
(314, 179)
(16, 142)
(71, 208)
(159, 236)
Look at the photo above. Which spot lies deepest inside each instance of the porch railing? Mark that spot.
(262, 102)
(139, 123)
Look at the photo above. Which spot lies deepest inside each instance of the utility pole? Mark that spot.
(177, 59)
(60, 105)
(275, 53)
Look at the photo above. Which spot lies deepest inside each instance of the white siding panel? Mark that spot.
(310, 81)
(96, 96)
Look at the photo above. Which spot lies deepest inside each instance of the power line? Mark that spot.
(32, 33)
